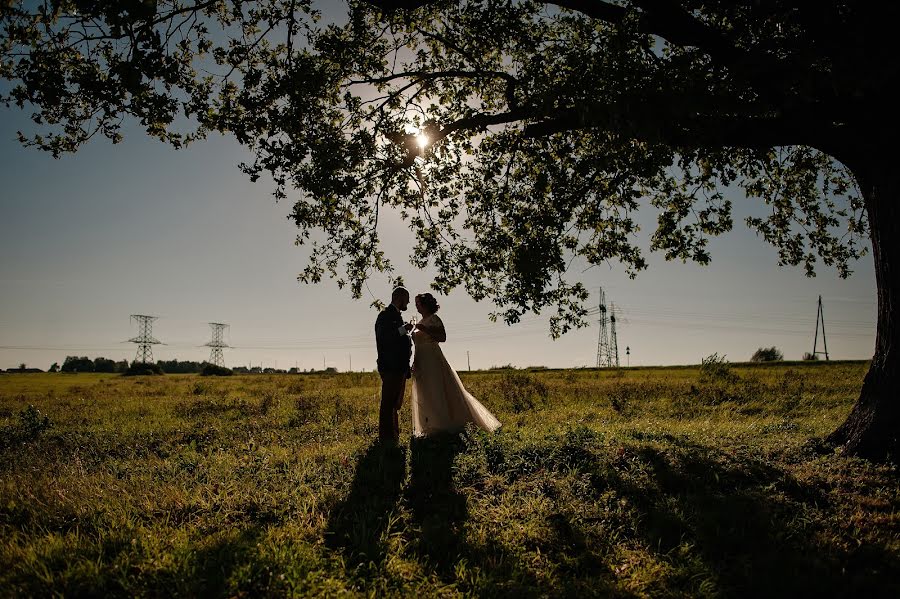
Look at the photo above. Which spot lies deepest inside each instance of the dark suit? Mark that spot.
(394, 351)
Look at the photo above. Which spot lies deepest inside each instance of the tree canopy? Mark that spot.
(548, 124)
(514, 136)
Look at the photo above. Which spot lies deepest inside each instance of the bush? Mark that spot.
(523, 392)
(767, 354)
(31, 424)
(810, 356)
(143, 368)
(213, 370)
(307, 411)
(715, 367)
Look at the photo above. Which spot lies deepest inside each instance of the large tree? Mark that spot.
(544, 127)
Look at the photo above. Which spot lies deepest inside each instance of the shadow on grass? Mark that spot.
(754, 527)
(439, 514)
(438, 510)
(224, 563)
(217, 559)
(360, 524)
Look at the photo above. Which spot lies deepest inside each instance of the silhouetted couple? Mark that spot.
(440, 403)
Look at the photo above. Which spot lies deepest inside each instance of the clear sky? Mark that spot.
(139, 228)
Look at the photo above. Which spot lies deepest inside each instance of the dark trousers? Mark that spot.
(393, 385)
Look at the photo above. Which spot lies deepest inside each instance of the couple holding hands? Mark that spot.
(439, 401)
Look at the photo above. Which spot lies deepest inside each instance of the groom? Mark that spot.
(392, 339)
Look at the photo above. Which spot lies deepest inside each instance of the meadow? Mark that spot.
(640, 482)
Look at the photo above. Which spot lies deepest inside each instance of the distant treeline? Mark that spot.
(261, 370)
(85, 364)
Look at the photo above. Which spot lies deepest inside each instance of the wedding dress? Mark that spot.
(439, 400)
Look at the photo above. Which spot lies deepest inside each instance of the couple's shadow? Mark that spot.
(429, 515)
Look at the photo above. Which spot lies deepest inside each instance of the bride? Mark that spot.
(439, 400)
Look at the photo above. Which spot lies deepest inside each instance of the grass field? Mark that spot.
(633, 483)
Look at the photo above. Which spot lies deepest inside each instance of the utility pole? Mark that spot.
(144, 339)
(820, 317)
(217, 344)
(628, 355)
(351, 361)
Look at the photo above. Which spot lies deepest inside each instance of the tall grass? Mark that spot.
(630, 482)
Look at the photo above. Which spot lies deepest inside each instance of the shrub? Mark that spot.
(266, 401)
(810, 356)
(31, 424)
(767, 354)
(344, 411)
(307, 411)
(213, 370)
(143, 368)
(522, 391)
(715, 367)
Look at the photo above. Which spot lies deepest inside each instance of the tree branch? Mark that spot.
(668, 21)
(481, 121)
(644, 122)
(420, 76)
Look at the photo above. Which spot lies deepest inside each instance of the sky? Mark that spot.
(140, 228)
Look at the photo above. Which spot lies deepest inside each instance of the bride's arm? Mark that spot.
(436, 332)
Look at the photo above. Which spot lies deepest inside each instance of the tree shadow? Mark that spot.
(212, 563)
(578, 569)
(359, 523)
(752, 525)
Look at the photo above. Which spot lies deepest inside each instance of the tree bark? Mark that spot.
(872, 429)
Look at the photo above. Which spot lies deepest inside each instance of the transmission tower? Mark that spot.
(603, 337)
(820, 317)
(144, 339)
(613, 344)
(215, 353)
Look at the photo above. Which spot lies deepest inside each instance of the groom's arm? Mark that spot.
(385, 325)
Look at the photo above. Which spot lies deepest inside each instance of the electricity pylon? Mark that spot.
(215, 353)
(603, 337)
(613, 343)
(820, 317)
(144, 339)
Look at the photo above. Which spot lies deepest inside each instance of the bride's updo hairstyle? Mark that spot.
(429, 302)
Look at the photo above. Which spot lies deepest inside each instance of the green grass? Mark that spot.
(632, 483)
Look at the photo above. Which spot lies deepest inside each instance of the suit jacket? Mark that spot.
(394, 349)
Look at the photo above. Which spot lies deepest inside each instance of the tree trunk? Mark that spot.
(872, 429)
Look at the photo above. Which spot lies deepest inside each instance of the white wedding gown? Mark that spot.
(439, 400)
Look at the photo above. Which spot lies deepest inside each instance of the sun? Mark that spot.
(422, 140)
